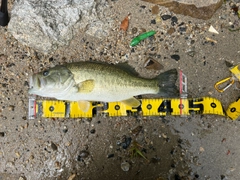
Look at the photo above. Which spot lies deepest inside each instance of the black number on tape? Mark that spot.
(165, 106)
(195, 107)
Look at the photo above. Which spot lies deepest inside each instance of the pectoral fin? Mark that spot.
(133, 102)
(86, 86)
(84, 105)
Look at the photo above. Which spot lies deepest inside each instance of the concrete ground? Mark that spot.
(193, 147)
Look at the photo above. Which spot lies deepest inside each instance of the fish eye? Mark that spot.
(45, 73)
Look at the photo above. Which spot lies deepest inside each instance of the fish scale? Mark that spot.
(110, 81)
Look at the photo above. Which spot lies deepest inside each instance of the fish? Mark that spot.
(86, 82)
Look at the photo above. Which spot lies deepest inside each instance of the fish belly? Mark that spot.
(110, 94)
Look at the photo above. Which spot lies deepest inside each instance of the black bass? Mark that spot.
(91, 81)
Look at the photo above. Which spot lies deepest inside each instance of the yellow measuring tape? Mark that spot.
(233, 110)
(149, 107)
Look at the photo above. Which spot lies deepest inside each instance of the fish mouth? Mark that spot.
(31, 82)
(31, 85)
(35, 83)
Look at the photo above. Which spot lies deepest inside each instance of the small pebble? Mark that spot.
(110, 156)
(125, 166)
(223, 16)
(65, 129)
(171, 31)
(83, 154)
(174, 19)
(182, 29)
(2, 134)
(134, 30)
(175, 57)
(10, 164)
(223, 177)
(177, 177)
(155, 160)
(196, 176)
(54, 146)
(158, 19)
(92, 131)
(142, 30)
(150, 63)
(126, 142)
(26, 83)
(22, 178)
(235, 9)
(10, 65)
(228, 64)
(50, 59)
(72, 177)
(119, 143)
(237, 85)
(57, 165)
(166, 17)
(167, 139)
(137, 130)
(191, 53)
(143, 6)
(213, 30)
(153, 48)
(153, 21)
(155, 9)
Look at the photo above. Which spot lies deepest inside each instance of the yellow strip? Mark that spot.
(149, 107)
(163, 107)
(76, 112)
(212, 106)
(236, 71)
(51, 108)
(233, 110)
(118, 109)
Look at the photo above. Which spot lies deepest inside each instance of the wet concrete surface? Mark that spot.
(192, 147)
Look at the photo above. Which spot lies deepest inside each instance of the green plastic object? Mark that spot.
(141, 37)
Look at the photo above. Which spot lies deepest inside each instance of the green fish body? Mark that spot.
(90, 81)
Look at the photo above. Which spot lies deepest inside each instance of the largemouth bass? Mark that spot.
(90, 81)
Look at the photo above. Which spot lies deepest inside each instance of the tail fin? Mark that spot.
(166, 83)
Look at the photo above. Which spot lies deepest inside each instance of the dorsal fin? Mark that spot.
(125, 66)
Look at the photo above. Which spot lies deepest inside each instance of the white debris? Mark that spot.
(213, 30)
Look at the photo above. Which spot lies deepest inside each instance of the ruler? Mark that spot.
(148, 107)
